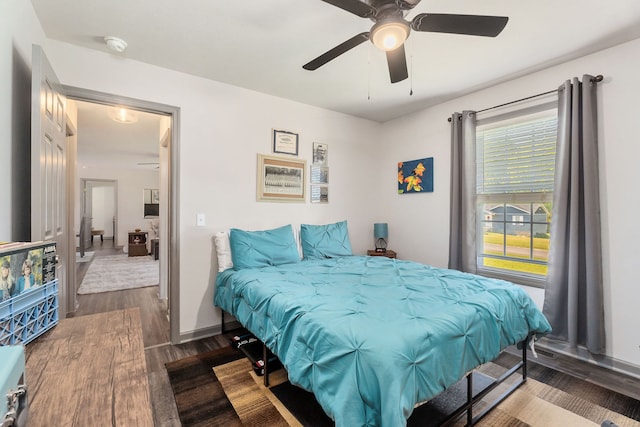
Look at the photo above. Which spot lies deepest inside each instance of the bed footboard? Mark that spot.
(472, 399)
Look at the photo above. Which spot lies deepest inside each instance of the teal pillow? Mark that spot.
(325, 241)
(255, 249)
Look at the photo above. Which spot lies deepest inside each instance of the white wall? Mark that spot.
(19, 28)
(221, 131)
(418, 223)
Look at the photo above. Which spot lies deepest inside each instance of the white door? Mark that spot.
(48, 164)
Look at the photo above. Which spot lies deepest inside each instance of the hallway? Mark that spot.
(155, 323)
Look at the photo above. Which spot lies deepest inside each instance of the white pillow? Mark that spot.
(296, 235)
(223, 250)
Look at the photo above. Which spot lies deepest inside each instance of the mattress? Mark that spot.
(373, 336)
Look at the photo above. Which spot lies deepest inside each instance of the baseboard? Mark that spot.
(207, 332)
(581, 353)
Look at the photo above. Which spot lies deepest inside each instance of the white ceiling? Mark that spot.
(105, 143)
(262, 45)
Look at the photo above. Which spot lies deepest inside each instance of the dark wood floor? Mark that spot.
(159, 351)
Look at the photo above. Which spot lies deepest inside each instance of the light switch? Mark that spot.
(200, 222)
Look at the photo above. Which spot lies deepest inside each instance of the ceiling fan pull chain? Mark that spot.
(411, 73)
(369, 74)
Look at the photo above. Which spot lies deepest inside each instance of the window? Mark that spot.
(515, 160)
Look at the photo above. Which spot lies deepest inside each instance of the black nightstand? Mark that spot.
(388, 253)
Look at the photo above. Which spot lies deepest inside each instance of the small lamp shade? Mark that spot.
(381, 233)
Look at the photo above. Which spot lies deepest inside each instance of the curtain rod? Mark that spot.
(596, 79)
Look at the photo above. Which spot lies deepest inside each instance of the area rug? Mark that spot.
(119, 272)
(219, 388)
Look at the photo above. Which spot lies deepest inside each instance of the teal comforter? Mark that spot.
(373, 336)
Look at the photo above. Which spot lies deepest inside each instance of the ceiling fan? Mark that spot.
(390, 30)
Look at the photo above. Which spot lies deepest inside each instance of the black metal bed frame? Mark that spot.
(471, 399)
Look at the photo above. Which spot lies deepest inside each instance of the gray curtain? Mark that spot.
(462, 229)
(573, 294)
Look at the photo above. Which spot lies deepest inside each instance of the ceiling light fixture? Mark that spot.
(115, 43)
(389, 34)
(122, 115)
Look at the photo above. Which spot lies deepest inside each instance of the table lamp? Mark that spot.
(380, 234)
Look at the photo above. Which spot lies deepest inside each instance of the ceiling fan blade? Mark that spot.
(336, 51)
(397, 61)
(356, 7)
(474, 25)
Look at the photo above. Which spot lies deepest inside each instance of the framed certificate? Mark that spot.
(285, 142)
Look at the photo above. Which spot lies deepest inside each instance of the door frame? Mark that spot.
(172, 263)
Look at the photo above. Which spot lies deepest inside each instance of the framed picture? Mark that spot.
(320, 154)
(415, 176)
(319, 194)
(280, 179)
(319, 174)
(285, 142)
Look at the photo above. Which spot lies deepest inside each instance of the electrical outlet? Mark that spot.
(200, 221)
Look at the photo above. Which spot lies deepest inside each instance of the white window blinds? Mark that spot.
(517, 156)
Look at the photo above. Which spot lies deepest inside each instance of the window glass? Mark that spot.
(515, 168)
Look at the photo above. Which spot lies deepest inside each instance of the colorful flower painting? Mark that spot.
(415, 176)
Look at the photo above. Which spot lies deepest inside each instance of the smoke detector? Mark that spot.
(115, 43)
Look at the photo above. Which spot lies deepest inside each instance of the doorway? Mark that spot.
(165, 166)
(98, 212)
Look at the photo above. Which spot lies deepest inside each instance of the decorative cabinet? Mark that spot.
(138, 243)
(28, 302)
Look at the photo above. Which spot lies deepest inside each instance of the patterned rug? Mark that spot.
(219, 388)
(119, 272)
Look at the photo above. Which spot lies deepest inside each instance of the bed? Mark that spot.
(370, 336)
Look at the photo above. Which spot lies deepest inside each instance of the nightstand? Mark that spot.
(389, 253)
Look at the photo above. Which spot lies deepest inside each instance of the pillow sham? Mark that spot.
(325, 241)
(223, 250)
(255, 249)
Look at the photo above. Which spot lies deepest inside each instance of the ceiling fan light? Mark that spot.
(389, 35)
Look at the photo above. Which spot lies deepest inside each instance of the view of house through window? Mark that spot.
(515, 170)
(516, 237)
